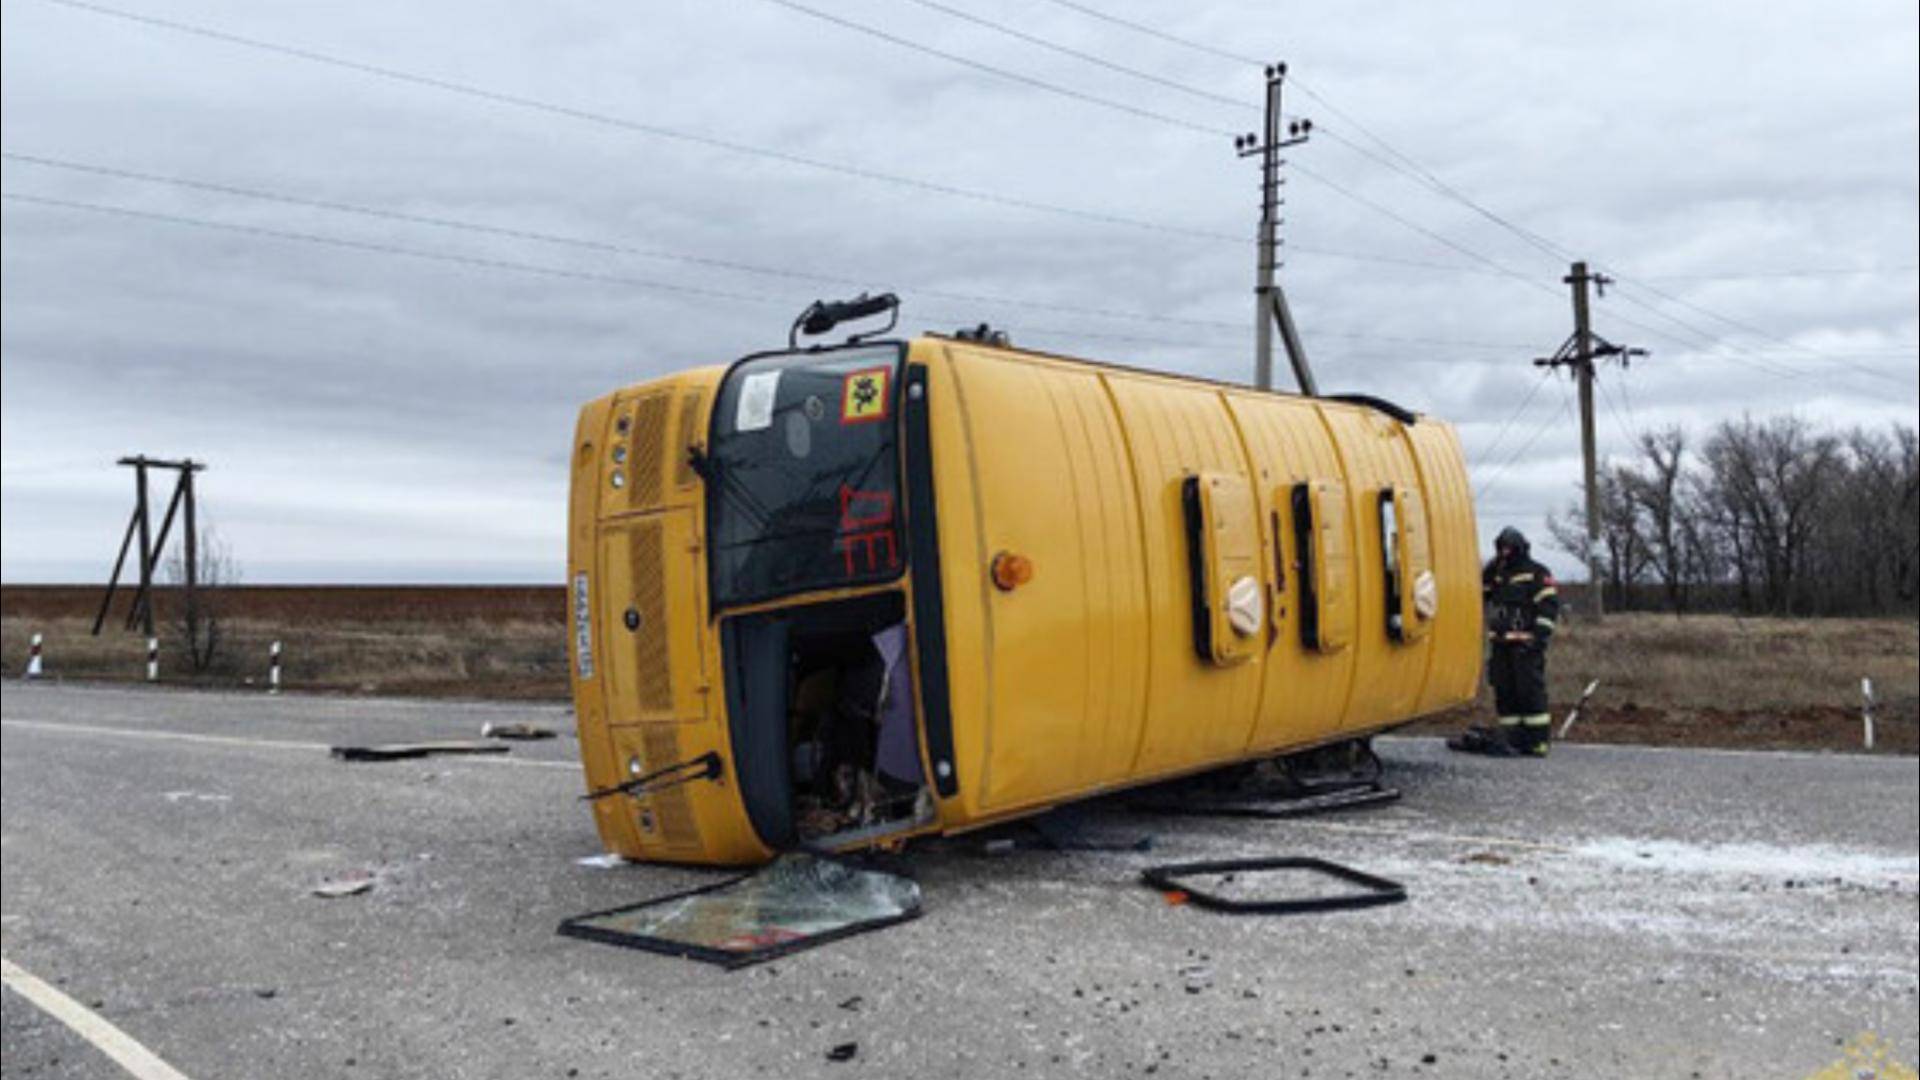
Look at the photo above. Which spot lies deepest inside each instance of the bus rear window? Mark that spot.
(803, 474)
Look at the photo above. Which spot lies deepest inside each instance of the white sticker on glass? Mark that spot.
(755, 411)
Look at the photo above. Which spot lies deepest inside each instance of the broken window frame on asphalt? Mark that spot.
(737, 936)
(1375, 891)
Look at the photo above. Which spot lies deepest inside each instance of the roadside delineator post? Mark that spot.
(153, 659)
(33, 658)
(273, 669)
(1578, 705)
(1866, 712)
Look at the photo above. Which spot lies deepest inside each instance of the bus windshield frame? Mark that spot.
(804, 474)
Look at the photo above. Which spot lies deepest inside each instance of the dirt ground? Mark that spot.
(1701, 680)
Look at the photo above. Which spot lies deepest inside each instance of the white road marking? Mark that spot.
(235, 740)
(138, 1061)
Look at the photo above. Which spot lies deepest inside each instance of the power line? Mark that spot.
(655, 130)
(1854, 271)
(1613, 410)
(1152, 31)
(1566, 412)
(488, 263)
(1758, 332)
(863, 28)
(608, 247)
(1401, 162)
(712, 142)
(1004, 73)
(1546, 375)
(1079, 54)
(661, 254)
(1496, 267)
(365, 246)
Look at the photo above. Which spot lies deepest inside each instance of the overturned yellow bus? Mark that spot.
(839, 597)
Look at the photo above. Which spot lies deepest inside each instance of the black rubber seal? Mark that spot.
(923, 563)
(1378, 890)
(1197, 568)
(1303, 526)
(1381, 404)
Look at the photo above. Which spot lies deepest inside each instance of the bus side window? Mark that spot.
(1390, 563)
(1411, 595)
(1326, 573)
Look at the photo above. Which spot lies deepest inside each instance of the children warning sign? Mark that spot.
(863, 396)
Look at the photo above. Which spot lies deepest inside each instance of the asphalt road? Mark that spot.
(1608, 912)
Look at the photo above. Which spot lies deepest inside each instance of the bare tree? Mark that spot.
(1771, 515)
(1659, 496)
(1769, 482)
(198, 626)
(1623, 550)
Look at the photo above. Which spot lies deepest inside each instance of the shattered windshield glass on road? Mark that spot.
(803, 474)
(796, 901)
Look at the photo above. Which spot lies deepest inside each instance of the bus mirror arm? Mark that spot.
(708, 765)
(823, 315)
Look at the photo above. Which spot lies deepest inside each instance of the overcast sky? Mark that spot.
(396, 403)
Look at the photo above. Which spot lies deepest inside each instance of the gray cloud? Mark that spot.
(381, 417)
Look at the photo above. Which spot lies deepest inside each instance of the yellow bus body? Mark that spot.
(1128, 492)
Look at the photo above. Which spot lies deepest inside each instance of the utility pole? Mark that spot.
(1580, 352)
(141, 610)
(1270, 309)
(1583, 367)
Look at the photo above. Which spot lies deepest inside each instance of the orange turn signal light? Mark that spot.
(1011, 571)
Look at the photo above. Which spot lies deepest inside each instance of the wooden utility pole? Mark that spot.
(1589, 466)
(141, 610)
(1270, 309)
(1581, 352)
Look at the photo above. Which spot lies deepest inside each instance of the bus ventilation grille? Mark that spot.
(689, 436)
(649, 431)
(653, 669)
(670, 806)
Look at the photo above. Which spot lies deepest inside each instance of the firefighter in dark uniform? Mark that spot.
(1523, 603)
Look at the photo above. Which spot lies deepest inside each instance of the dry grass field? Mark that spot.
(453, 641)
(1722, 680)
(1706, 680)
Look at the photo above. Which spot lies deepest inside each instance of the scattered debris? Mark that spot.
(1257, 805)
(1340, 777)
(196, 796)
(353, 884)
(796, 902)
(1198, 977)
(844, 1052)
(606, 861)
(1373, 891)
(402, 751)
(853, 1003)
(1065, 829)
(1487, 858)
(519, 731)
(1062, 829)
